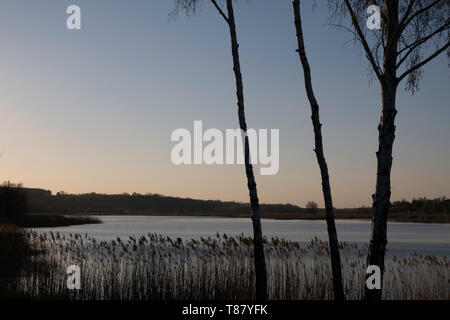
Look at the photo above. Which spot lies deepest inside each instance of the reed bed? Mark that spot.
(153, 267)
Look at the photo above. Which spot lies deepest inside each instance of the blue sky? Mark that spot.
(93, 109)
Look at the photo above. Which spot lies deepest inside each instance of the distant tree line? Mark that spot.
(422, 205)
(419, 205)
(43, 201)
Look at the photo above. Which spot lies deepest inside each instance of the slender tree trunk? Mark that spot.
(259, 258)
(332, 234)
(386, 136)
(381, 198)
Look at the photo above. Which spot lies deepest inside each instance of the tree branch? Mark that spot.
(418, 12)
(408, 11)
(423, 62)
(402, 25)
(364, 42)
(342, 27)
(418, 42)
(214, 2)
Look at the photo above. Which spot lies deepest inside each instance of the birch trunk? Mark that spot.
(326, 189)
(259, 258)
(381, 198)
(386, 136)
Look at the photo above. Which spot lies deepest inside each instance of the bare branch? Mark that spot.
(402, 25)
(423, 62)
(214, 2)
(418, 42)
(408, 11)
(340, 26)
(364, 42)
(418, 12)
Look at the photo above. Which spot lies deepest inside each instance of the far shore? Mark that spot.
(55, 220)
(50, 220)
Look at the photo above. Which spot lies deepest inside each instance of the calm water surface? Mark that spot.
(404, 238)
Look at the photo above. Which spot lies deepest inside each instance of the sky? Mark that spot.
(92, 110)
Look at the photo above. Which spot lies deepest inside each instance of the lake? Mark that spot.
(403, 238)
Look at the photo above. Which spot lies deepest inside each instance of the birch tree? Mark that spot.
(190, 6)
(411, 33)
(326, 189)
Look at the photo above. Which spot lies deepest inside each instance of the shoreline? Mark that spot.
(83, 218)
(50, 220)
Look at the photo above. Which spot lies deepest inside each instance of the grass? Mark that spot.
(14, 249)
(14, 254)
(154, 267)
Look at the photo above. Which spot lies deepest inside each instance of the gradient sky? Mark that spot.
(92, 110)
